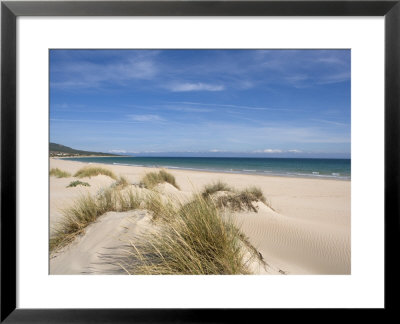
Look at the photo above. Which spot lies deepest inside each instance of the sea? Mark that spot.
(289, 167)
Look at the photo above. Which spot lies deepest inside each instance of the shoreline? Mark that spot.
(238, 172)
(84, 156)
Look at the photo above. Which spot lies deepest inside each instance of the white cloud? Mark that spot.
(277, 151)
(268, 151)
(188, 109)
(185, 87)
(233, 106)
(85, 74)
(146, 118)
(245, 84)
(332, 60)
(331, 122)
(296, 78)
(297, 68)
(272, 151)
(335, 78)
(118, 151)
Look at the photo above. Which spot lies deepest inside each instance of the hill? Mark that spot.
(61, 150)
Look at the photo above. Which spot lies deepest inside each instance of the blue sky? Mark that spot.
(277, 103)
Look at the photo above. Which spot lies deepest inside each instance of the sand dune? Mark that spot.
(297, 246)
(307, 230)
(172, 193)
(94, 252)
(62, 197)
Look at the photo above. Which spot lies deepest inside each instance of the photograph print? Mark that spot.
(200, 162)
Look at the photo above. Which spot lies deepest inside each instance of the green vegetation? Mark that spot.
(61, 150)
(198, 240)
(198, 237)
(75, 220)
(94, 171)
(128, 201)
(151, 179)
(242, 200)
(78, 183)
(234, 200)
(159, 207)
(215, 187)
(86, 211)
(121, 183)
(56, 172)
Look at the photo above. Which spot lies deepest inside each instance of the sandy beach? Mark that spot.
(304, 229)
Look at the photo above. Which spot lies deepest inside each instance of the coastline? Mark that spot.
(251, 173)
(85, 156)
(307, 231)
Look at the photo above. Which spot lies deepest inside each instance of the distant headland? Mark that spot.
(58, 150)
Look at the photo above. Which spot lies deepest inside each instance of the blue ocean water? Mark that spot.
(318, 168)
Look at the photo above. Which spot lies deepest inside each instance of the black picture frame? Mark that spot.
(10, 10)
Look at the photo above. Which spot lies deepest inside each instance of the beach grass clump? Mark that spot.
(56, 172)
(198, 240)
(255, 193)
(121, 183)
(87, 209)
(159, 206)
(78, 183)
(128, 200)
(215, 187)
(76, 219)
(151, 179)
(106, 201)
(241, 200)
(94, 171)
(233, 199)
(118, 200)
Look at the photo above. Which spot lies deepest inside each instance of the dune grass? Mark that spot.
(128, 201)
(234, 200)
(151, 179)
(198, 237)
(241, 200)
(86, 210)
(94, 171)
(121, 183)
(215, 187)
(198, 240)
(56, 172)
(76, 218)
(160, 206)
(78, 183)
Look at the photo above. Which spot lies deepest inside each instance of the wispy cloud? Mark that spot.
(245, 84)
(298, 80)
(307, 68)
(90, 121)
(146, 118)
(277, 151)
(188, 109)
(216, 105)
(199, 86)
(87, 74)
(275, 102)
(268, 151)
(334, 78)
(118, 151)
(331, 122)
(330, 60)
